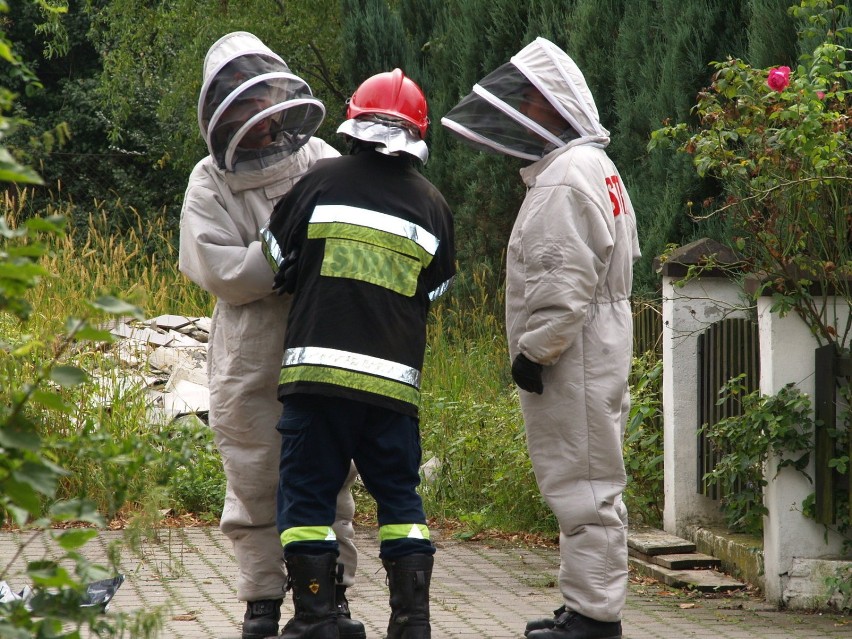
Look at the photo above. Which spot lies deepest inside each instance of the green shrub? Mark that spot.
(778, 424)
(778, 142)
(643, 442)
(195, 475)
(484, 473)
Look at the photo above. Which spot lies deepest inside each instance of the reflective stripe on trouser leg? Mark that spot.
(313, 468)
(307, 533)
(392, 532)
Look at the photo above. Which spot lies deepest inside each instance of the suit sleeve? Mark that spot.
(214, 255)
(567, 244)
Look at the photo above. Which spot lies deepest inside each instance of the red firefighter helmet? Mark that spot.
(391, 94)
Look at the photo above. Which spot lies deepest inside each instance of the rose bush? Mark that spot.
(779, 144)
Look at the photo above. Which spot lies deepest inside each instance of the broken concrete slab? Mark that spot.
(142, 334)
(203, 323)
(193, 375)
(165, 358)
(131, 352)
(184, 398)
(173, 322)
(180, 340)
(170, 359)
(111, 389)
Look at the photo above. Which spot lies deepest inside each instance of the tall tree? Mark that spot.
(373, 40)
(663, 50)
(549, 19)
(474, 37)
(420, 20)
(771, 33)
(68, 138)
(591, 33)
(153, 54)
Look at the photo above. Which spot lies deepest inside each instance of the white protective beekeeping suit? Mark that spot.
(569, 278)
(257, 119)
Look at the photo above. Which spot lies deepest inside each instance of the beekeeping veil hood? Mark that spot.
(253, 111)
(533, 104)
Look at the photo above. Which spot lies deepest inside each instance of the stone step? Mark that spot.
(675, 562)
(679, 561)
(706, 580)
(650, 541)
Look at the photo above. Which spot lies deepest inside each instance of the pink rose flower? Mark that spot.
(821, 95)
(779, 78)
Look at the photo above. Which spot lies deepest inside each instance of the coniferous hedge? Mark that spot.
(645, 62)
(128, 82)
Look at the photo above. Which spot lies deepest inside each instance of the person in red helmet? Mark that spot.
(365, 243)
(258, 119)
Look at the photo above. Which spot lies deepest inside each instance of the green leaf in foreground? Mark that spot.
(67, 376)
(77, 510)
(115, 306)
(76, 537)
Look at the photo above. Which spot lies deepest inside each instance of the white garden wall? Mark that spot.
(797, 551)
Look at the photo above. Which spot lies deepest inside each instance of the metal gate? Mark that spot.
(832, 373)
(647, 327)
(726, 349)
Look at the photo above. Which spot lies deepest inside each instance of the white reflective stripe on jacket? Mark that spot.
(569, 273)
(221, 252)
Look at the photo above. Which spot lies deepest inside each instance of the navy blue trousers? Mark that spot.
(319, 437)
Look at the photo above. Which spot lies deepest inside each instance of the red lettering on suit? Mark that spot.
(616, 194)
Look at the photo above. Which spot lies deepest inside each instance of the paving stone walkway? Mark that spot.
(479, 590)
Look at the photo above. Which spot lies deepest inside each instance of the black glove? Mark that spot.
(288, 273)
(527, 374)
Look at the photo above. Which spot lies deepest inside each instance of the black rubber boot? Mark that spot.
(347, 627)
(409, 578)
(573, 625)
(312, 580)
(545, 622)
(261, 619)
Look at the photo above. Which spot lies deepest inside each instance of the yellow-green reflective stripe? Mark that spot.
(376, 237)
(350, 379)
(373, 264)
(403, 531)
(357, 216)
(307, 533)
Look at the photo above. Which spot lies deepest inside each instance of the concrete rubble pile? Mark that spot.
(166, 358)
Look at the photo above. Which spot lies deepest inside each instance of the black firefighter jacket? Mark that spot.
(374, 246)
